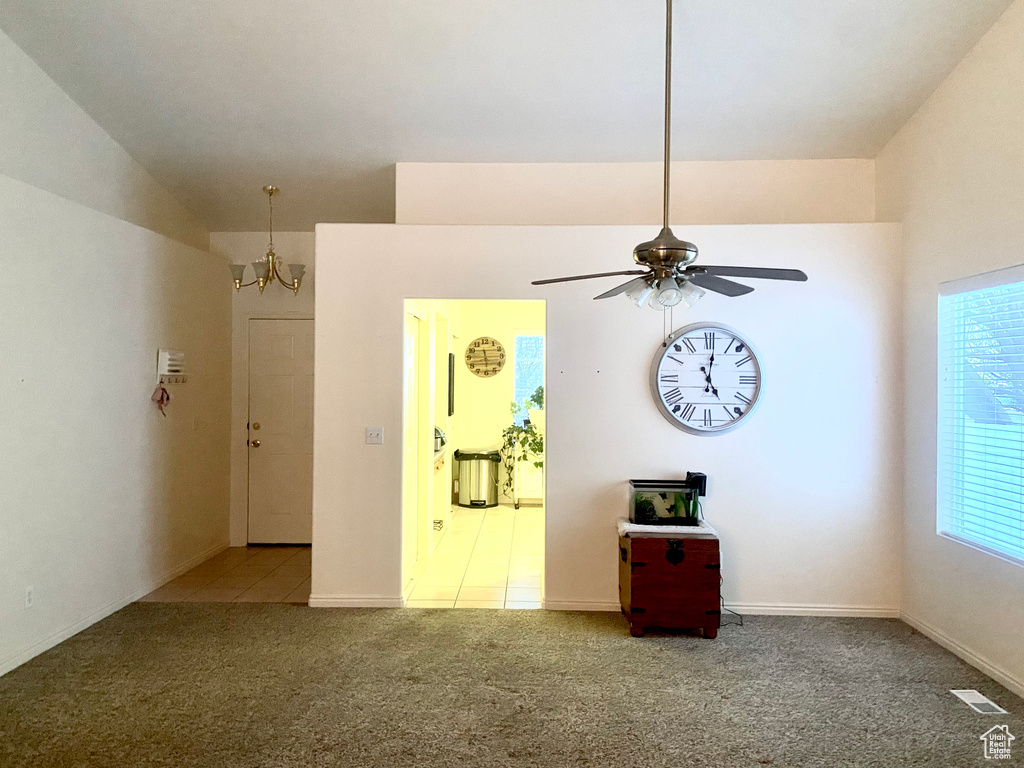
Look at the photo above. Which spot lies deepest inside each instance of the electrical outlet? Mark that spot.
(375, 435)
(29, 597)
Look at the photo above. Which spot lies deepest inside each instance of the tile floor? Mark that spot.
(491, 558)
(242, 575)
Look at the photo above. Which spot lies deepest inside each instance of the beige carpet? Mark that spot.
(226, 685)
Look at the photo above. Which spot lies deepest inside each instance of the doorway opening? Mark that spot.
(473, 459)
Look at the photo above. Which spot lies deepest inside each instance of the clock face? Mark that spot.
(706, 379)
(485, 357)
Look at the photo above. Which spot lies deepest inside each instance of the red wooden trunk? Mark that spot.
(670, 583)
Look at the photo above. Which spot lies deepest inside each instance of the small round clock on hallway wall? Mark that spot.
(485, 357)
(706, 379)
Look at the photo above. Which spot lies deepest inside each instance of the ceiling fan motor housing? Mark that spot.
(666, 253)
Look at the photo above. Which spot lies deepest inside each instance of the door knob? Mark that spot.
(255, 443)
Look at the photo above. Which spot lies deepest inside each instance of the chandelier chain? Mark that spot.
(270, 198)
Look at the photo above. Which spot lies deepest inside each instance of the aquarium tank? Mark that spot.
(663, 502)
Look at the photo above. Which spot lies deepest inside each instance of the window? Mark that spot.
(981, 412)
(529, 370)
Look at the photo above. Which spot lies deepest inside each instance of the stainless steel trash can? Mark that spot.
(478, 478)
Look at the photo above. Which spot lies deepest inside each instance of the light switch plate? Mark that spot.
(375, 435)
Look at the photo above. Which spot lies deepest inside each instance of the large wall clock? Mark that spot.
(485, 357)
(706, 379)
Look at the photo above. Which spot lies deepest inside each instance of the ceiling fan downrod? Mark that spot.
(667, 255)
(668, 275)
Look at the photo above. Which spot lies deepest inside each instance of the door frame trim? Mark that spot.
(425, 479)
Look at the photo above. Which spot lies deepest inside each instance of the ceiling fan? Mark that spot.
(669, 275)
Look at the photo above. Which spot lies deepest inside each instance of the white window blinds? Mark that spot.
(981, 412)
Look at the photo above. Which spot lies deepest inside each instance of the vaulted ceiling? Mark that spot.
(322, 97)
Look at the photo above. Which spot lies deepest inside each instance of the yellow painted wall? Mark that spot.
(482, 405)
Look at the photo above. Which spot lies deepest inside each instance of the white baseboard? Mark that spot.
(977, 661)
(359, 601)
(581, 605)
(759, 609)
(6, 665)
(802, 609)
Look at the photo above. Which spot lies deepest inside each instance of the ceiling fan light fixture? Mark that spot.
(668, 294)
(690, 293)
(640, 290)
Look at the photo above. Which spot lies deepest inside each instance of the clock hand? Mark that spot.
(707, 380)
(711, 362)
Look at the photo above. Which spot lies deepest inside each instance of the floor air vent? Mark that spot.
(979, 703)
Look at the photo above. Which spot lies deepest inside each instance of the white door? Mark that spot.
(280, 431)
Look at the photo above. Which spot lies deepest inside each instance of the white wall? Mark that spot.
(955, 176)
(806, 495)
(276, 301)
(103, 498)
(729, 192)
(48, 141)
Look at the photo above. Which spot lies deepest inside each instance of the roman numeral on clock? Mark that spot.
(743, 398)
(707, 417)
(687, 412)
(673, 396)
(689, 345)
(709, 341)
(748, 379)
(744, 361)
(670, 378)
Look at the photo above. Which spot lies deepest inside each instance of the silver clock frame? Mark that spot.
(656, 392)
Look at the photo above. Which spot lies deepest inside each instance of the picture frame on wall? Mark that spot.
(451, 383)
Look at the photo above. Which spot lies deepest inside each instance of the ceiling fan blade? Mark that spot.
(761, 273)
(588, 277)
(617, 289)
(719, 285)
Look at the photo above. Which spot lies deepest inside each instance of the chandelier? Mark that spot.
(269, 268)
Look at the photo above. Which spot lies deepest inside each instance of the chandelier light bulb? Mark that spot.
(262, 269)
(238, 275)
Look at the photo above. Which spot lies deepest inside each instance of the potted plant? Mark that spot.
(523, 442)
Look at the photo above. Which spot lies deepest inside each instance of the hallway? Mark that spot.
(489, 558)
